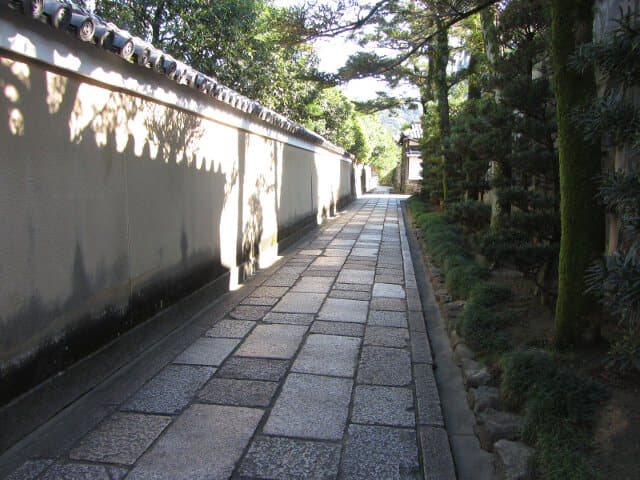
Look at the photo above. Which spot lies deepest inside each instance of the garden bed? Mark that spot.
(582, 419)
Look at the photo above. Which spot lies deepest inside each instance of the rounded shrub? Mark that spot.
(482, 329)
(461, 280)
(489, 294)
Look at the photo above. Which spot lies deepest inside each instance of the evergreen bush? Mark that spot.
(559, 410)
(482, 328)
(489, 294)
(473, 215)
(615, 117)
(462, 279)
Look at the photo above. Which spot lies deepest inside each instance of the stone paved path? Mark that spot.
(323, 371)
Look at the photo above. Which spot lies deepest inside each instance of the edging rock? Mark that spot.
(474, 373)
(483, 398)
(461, 353)
(493, 425)
(513, 461)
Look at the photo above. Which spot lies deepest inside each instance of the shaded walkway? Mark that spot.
(322, 371)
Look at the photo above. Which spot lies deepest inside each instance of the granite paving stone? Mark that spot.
(377, 405)
(207, 351)
(416, 322)
(230, 328)
(382, 318)
(364, 252)
(397, 279)
(270, 291)
(327, 272)
(295, 302)
(254, 368)
(121, 438)
(413, 300)
(389, 271)
(313, 285)
(290, 459)
(342, 242)
(327, 262)
(357, 264)
(338, 328)
(384, 366)
(427, 397)
(350, 295)
(337, 252)
(76, 471)
(391, 264)
(272, 341)
(289, 318)
(170, 390)
(205, 442)
(373, 244)
(386, 336)
(30, 469)
(331, 355)
(242, 393)
(300, 261)
(356, 276)
(390, 290)
(341, 310)
(355, 287)
(260, 301)
(117, 473)
(386, 303)
(374, 452)
(436, 454)
(248, 312)
(420, 349)
(311, 406)
(290, 270)
(281, 280)
(311, 252)
(368, 237)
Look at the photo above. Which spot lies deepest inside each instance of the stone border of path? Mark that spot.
(471, 461)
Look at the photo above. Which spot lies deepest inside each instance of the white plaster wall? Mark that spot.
(119, 186)
(415, 168)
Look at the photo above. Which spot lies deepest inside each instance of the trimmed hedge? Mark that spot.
(482, 328)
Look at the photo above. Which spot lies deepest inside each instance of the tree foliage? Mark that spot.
(239, 42)
(335, 117)
(616, 278)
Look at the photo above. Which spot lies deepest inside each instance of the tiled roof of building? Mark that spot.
(415, 132)
(66, 16)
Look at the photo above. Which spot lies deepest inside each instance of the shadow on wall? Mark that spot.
(259, 183)
(111, 208)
